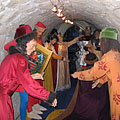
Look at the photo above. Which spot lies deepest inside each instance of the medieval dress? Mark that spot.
(48, 83)
(63, 75)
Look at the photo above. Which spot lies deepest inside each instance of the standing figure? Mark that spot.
(63, 75)
(48, 77)
(107, 69)
(91, 104)
(26, 101)
(34, 107)
(15, 73)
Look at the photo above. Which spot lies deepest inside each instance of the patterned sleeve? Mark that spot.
(103, 79)
(99, 69)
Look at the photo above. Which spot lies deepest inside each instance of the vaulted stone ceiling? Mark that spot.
(101, 13)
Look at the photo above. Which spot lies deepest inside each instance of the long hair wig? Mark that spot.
(23, 40)
(109, 44)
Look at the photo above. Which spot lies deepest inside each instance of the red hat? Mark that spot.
(20, 31)
(39, 26)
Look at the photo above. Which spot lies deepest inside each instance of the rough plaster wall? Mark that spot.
(101, 13)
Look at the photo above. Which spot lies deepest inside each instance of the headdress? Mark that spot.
(110, 33)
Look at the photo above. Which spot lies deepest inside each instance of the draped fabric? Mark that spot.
(15, 72)
(91, 104)
(54, 72)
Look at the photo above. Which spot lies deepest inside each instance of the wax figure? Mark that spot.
(33, 103)
(63, 75)
(91, 104)
(20, 31)
(32, 110)
(109, 67)
(49, 44)
(15, 73)
(54, 61)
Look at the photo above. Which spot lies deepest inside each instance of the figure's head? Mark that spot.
(22, 30)
(96, 34)
(40, 28)
(90, 59)
(52, 39)
(88, 31)
(27, 43)
(54, 31)
(109, 40)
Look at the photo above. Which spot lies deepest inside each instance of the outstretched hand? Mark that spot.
(54, 104)
(95, 84)
(75, 74)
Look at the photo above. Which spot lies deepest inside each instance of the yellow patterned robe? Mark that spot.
(108, 69)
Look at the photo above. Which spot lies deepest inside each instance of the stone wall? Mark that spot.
(16, 105)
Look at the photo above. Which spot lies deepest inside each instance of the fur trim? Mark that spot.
(13, 50)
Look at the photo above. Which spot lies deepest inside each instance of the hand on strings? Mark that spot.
(54, 104)
(37, 76)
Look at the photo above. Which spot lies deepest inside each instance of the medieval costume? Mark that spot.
(108, 67)
(48, 83)
(63, 75)
(27, 101)
(15, 73)
(91, 104)
(36, 61)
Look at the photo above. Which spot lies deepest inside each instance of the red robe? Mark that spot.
(14, 72)
(31, 100)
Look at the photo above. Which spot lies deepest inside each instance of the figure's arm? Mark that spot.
(30, 85)
(73, 41)
(55, 56)
(100, 81)
(99, 69)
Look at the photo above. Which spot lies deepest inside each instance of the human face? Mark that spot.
(53, 41)
(31, 46)
(97, 34)
(40, 32)
(87, 32)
